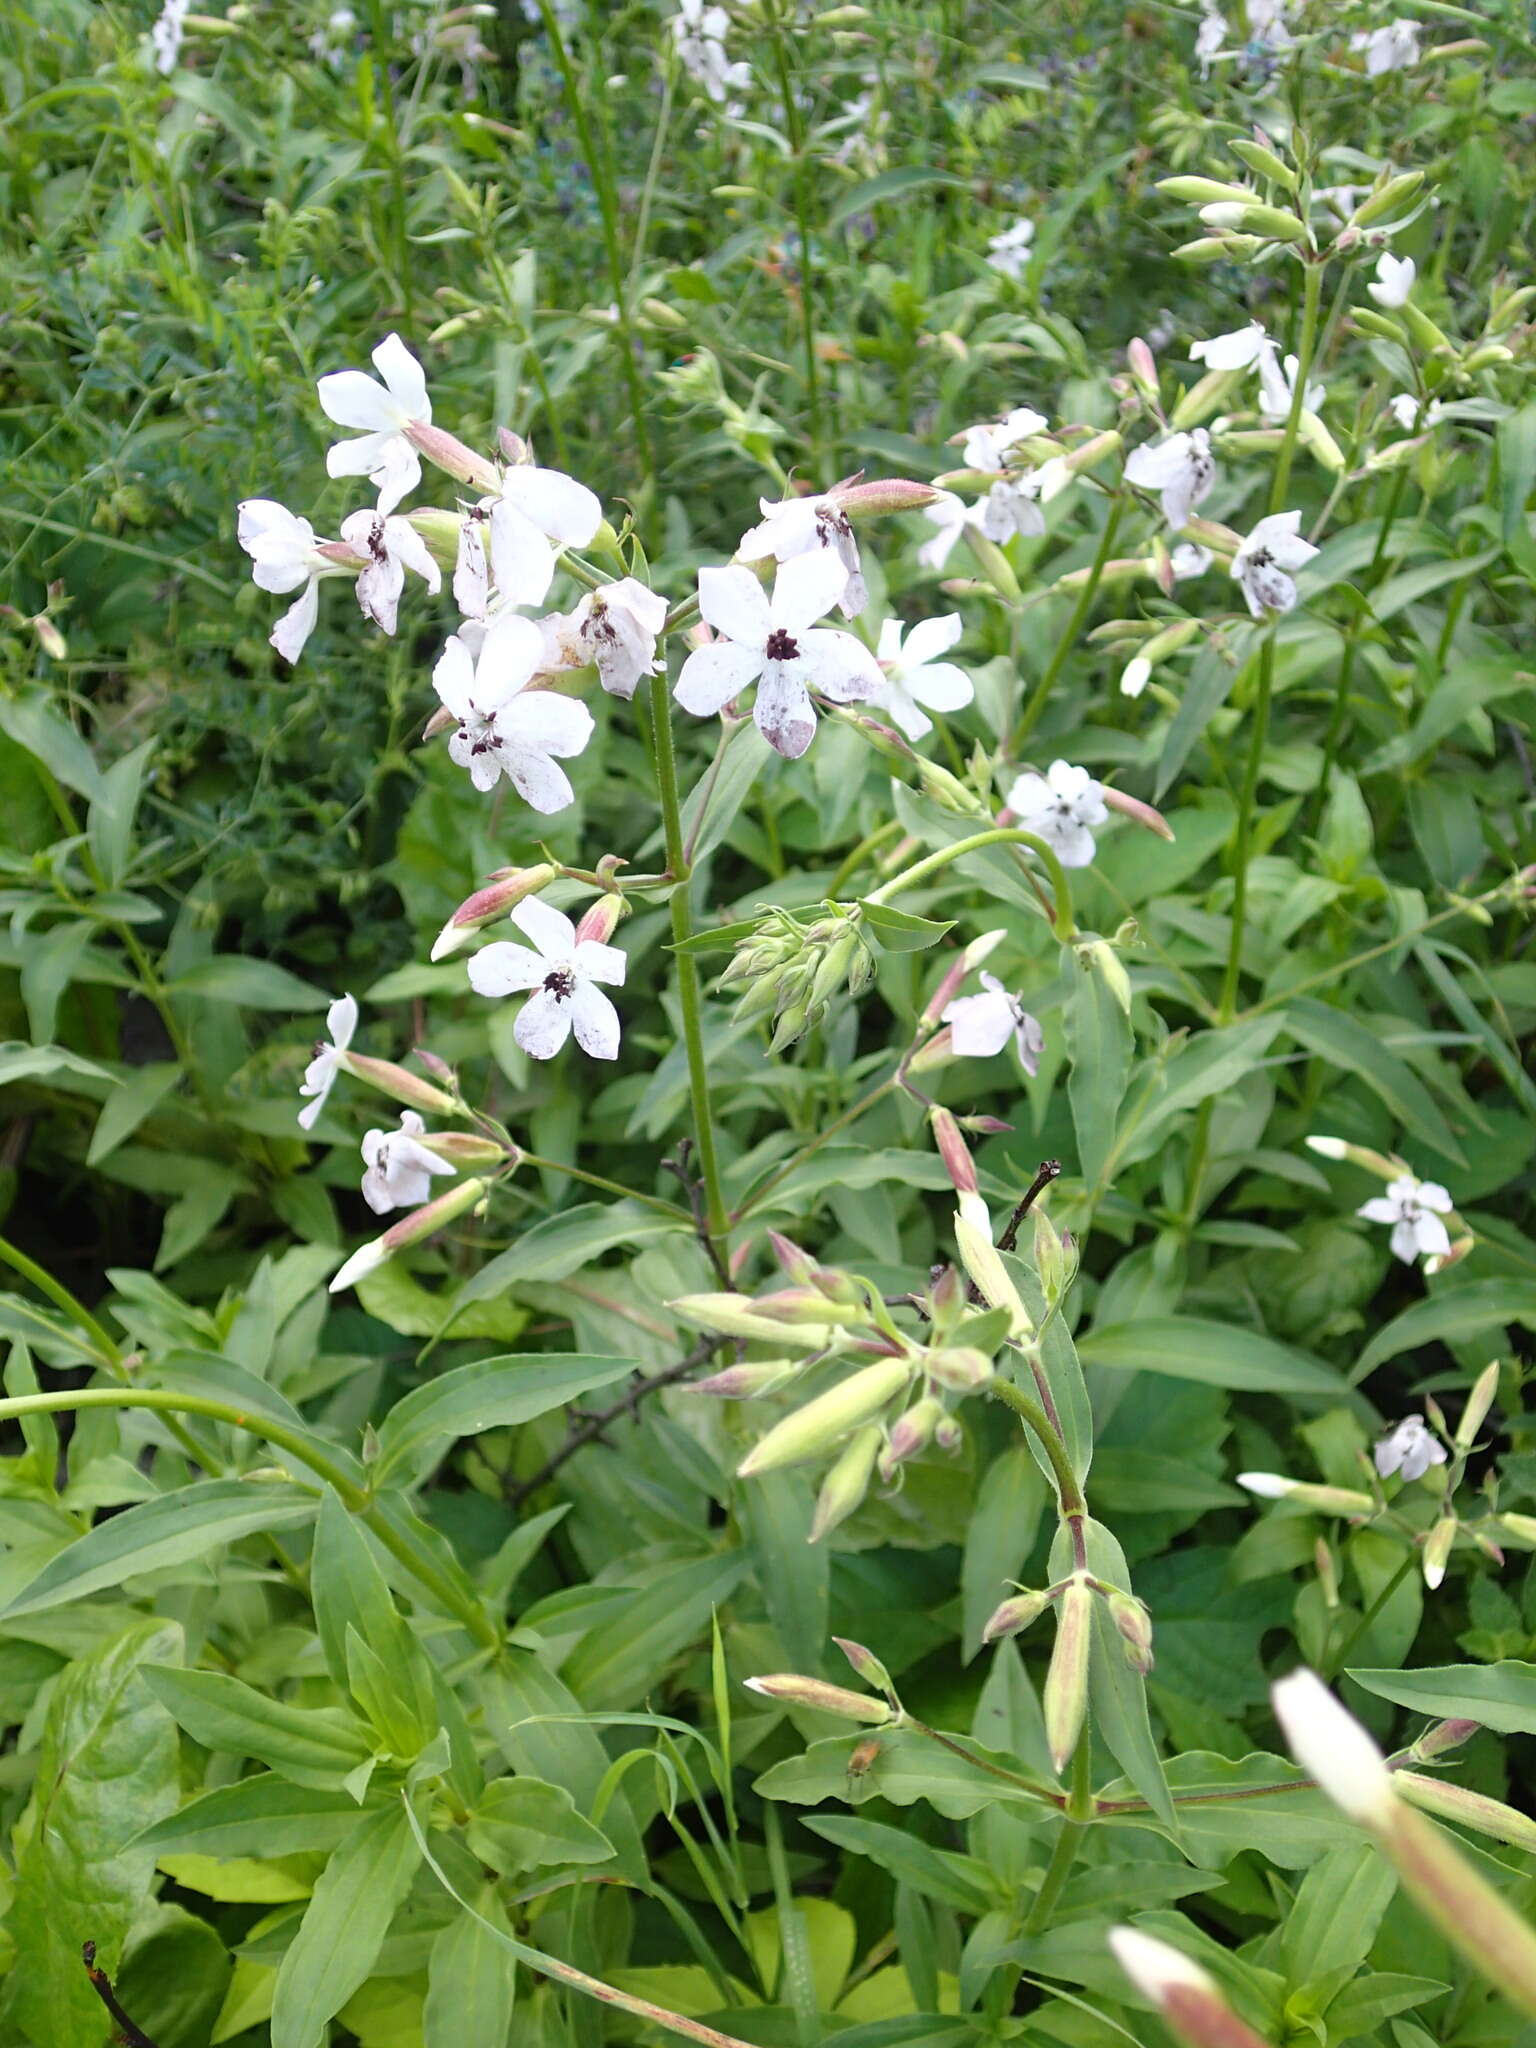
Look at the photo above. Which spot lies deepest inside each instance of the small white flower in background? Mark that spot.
(1410, 1449)
(320, 1074)
(381, 412)
(1182, 468)
(1394, 280)
(699, 33)
(1239, 350)
(988, 446)
(1277, 387)
(399, 1171)
(563, 973)
(616, 627)
(167, 33)
(1266, 23)
(1393, 47)
(327, 40)
(804, 526)
(773, 644)
(1189, 560)
(914, 676)
(504, 727)
(1211, 38)
(388, 547)
(1011, 507)
(982, 1025)
(284, 554)
(538, 510)
(1405, 409)
(1413, 1208)
(1009, 251)
(1264, 562)
(950, 515)
(1061, 807)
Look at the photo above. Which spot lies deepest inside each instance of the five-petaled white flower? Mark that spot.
(1266, 23)
(383, 413)
(988, 446)
(320, 1074)
(1414, 1209)
(1264, 562)
(388, 546)
(1182, 468)
(538, 511)
(699, 33)
(980, 1026)
(1393, 47)
(504, 727)
(400, 1171)
(167, 33)
(563, 974)
(1009, 251)
(803, 526)
(914, 676)
(1410, 1449)
(1394, 280)
(616, 628)
(284, 554)
(1277, 386)
(1411, 412)
(773, 643)
(1061, 807)
(1011, 507)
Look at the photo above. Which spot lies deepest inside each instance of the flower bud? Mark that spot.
(1271, 223)
(1143, 367)
(1131, 1618)
(1190, 2004)
(451, 454)
(1479, 1401)
(735, 1315)
(1209, 394)
(421, 1223)
(1340, 1149)
(1065, 1699)
(867, 1665)
(1117, 799)
(1468, 1809)
(1521, 1527)
(1509, 308)
(847, 1481)
(960, 1367)
(1486, 355)
(465, 1148)
(746, 1382)
(812, 1304)
(400, 1084)
(954, 1152)
(910, 1434)
(797, 1265)
(888, 494)
(816, 1693)
(1332, 1747)
(1437, 1549)
(1258, 158)
(1381, 325)
(1216, 249)
(500, 895)
(1443, 1736)
(1423, 330)
(1327, 1500)
(1015, 1615)
(1050, 1261)
(1327, 1574)
(1382, 201)
(1205, 191)
(600, 920)
(829, 1418)
(1320, 443)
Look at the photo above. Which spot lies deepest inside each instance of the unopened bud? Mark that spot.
(1143, 367)
(421, 1223)
(1270, 223)
(1486, 356)
(735, 1315)
(1332, 1747)
(1381, 325)
(1263, 160)
(1131, 1618)
(910, 1434)
(888, 494)
(1050, 1262)
(960, 1367)
(797, 1265)
(866, 1665)
(1209, 394)
(1065, 1699)
(1217, 249)
(1321, 443)
(600, 920)
(816, 1693)
(1443, 1736)
(1014, 1615)
(465, 1148)
(1385, 198)
(1341, 1150)
(1099, 957)
(954, 1152)
(1205, 191)
(400, 1084)
(746, 1382)
(1188, 2000)
(1327, 1574)
(812, 1304)
(1423, 330)
(1521, 1527)
(1327, 1500)
(846, 1482)
(1437, 1549)
(1117, 799)
(451, 454)
(829, 1418)
(495, 900)
(1479, 1401)
(1468, 1809)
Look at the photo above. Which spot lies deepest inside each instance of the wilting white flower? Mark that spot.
(1393, 47)
(804, 526)
(1010, 507)
(1182, 468)
(914, 676)
(1277, 387)
(400, 1171)
(1413, 1208)
(1266, 23)
(284, 554)
(1188, 560)
(504, 727)
(982, 1025)
(616, 627)
(773, 645)
(950, 515)
(167, 33)
(388, 546)
(1332, 1747)
(538, 510)
(1009, 251)
(1211, 38)
(382, 412)
(1410, 1449)
(1264, 562)
(989, 445)
(1394, 280)
(1061, 807)
(563, 973)
(1239, 350)
(699, 33)
(320, 1074)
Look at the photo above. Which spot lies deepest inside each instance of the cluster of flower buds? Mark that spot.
(1065, 1699)
(792, 964)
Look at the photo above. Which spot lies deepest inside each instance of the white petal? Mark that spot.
(341, 1021)
(598, 962)
(503, 969)
(454, 677)
(522, 560)
(941, 686)
(902, 709)
(378, 592)
(806, 588)
(360, 457)
(550, 929)
(1235, 351)
(1155, 466)
(1432, 1196)
(596, 1022)
(543, 1025)
(1404, 1241)
(537, 780)
(930, 638)
(405, 377)
(352, 399)
(783, 709)
(979, 1025)
(888, 647)
(472, 571)
(297, 623)
(398, 472)
(1432, 1236)
(713, 675)
(408, 544)
(733, 602)
(838, 664)
(559, 506)
(1380, 1209)
(544, 722)
(513, 649)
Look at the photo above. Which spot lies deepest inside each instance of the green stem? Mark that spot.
(1059, 1869)
(1036, 703)
(109, 1352)
(765, 1188)
(997, 835)
(795, 126)
(1335, 1658)
(609, 1187)
(1070, 1501)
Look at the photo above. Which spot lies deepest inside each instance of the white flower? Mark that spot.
(320, 1074)
(1332, 1747)
(504, 727)
(389, 547)
(400, 1171)
(382, 412)
(1187, 561)
(1181, 467)
(1394, 280)
(472, 565)
(1239, 350)
(950, 515)
(803, 526)
(1266, 23)
(699, 33)
(1010, 507)
(982, 1025)
(563, 973)
(1392, 47)
(616, 627)
(1135, 676)
(1061, 807)
(284, 554)
(1211, 38)
(988, 445)
(1009, 251)
(167, 33)
(1405, 409)
(1277, 388)
(1413, 1208)
(1410, 1449)
(915, 677)
(1263, 563)
(537, 509)
(773, 645)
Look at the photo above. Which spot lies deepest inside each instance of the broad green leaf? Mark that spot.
(109, 823)
(954, 1880)
(522, 1824)
(32, 722)
(1347, 1042)
(1275, 1810)
(1117, 1694)
(792, 1572)
(1099, 1042)
(236, 1880)
(344, 1927)
(1337, 1912)
(493, 1393)
(899, 931)
(174, 1976)
(1201, 1068)
(139, 1096)
(906, 1767)
(1001, 1534)
(1516, 440)
(538, 1725)
(1219, 1354)
(1502, 1696)
(22, 1062)
(892, 184)
(1450, 1317)
(618, 1665)
(315, 1746)
(260, 1816)
(369, 1651)
(253, 984)
(561, 1245)
(471, 1980)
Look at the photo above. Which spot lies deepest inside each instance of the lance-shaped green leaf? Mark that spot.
(311, 1745)
(493, 1393)
(1501, 1696)
(262, 1816)
(343, 1929)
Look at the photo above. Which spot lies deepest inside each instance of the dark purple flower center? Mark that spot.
(781, 646)
(561, 983)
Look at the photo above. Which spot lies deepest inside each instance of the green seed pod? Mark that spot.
(829, 1418)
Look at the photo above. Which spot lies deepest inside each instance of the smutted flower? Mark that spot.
(505, 728)
(388, 548)
(1394, 280)
(538, 512)
(1277, 385)
(616, 627)
(382, 413)
(1181, 468)
(562, 974)
(1011, 507)
(914, 677)
(1264, 563)
(982, 1025)
(284, 554)
(773, 644)
(320, 1074)
(805, 526)
(1414, 1209)
(399, 1170)
(1009, 251)
(1189, 560)
(1061, 807)
(1410, 1449)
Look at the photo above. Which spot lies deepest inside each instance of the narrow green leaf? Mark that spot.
(344, 1927)
(1502, 1696)
(493, 1393)
(1219, 1354)
(262, 1816)
(315, 1746)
